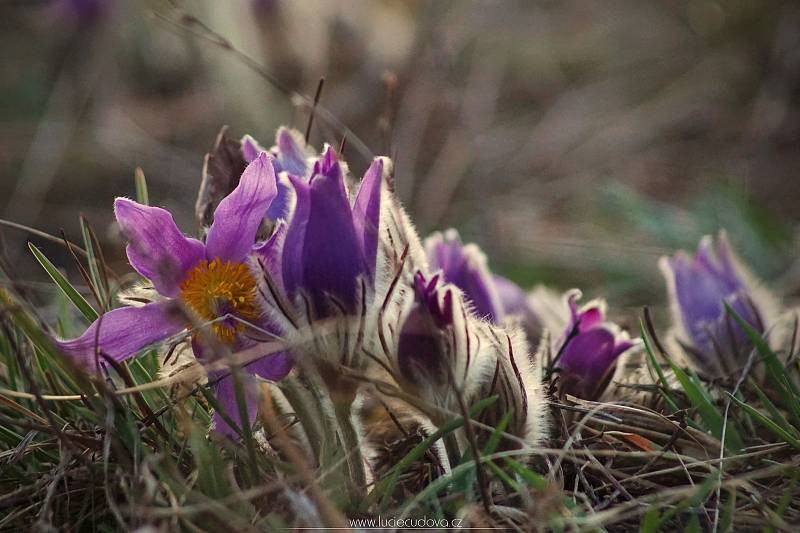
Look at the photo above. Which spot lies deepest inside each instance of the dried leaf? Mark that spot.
(222, 168)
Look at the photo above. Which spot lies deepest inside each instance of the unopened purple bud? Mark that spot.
(422, 345)
(330, 244)
(589, 349)
(698, 289)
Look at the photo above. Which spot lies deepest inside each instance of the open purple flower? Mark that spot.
(212, 280)
(588, 349)
(698, 288)
(331, 246)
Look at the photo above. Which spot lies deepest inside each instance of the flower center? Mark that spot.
(216, 290)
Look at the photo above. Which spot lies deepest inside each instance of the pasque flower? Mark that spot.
(584, 345)
(698, 288)
(213, 281)
(443, 350)
(330, 245)
(589, 349)
(500, 364)
(324, 262)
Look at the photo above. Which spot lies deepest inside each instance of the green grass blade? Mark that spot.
(66, 287)
(537, 481)
(670, 401)
(708, 412)
(767, 423)
(782, 382)
(91, 259)
(142, 195)
(775, 413)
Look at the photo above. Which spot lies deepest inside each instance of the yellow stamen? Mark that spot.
(215, 289)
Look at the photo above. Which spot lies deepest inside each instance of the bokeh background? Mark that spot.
(575, 141)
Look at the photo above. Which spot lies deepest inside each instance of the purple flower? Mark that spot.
(465, 267)
(589, 348)
(697, 289)
(331, 247)
(212, 280)
(422, 346)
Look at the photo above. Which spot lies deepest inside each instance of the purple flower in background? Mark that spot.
(290, 154)
(81, 13)
(212, 279)
(465, 267)
(422, 344)
(589, 348)
(513, 299)
(698, 288)
(331, 246)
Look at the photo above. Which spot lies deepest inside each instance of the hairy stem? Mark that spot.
(352, 449)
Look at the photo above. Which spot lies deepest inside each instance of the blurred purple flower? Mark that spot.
(80, 13)
(264, 8)
(465, 266)
(513, 299)
(422, 344)
(331, 246)
(212, 279)
(588, 349)
(697, 288)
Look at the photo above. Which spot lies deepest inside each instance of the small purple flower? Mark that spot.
(589, 348)
(213, 280)
(331, 247)
(698, 288)
(423, 341)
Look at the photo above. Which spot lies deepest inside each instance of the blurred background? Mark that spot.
(575, 141)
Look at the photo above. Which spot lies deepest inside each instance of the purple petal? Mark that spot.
(421, 352)
(225, 393)
(587, 359)
(239, 215)
(279, 207)
(269, 253)
(292, 154)
(463, 268)
(292, 250)
(288, 156)
(512, 298)
(156, 247)
(323, 255)
(590, 318)
(250, 149)
(272, 367)
(699, 294)
(123, 332)
(367, 213)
